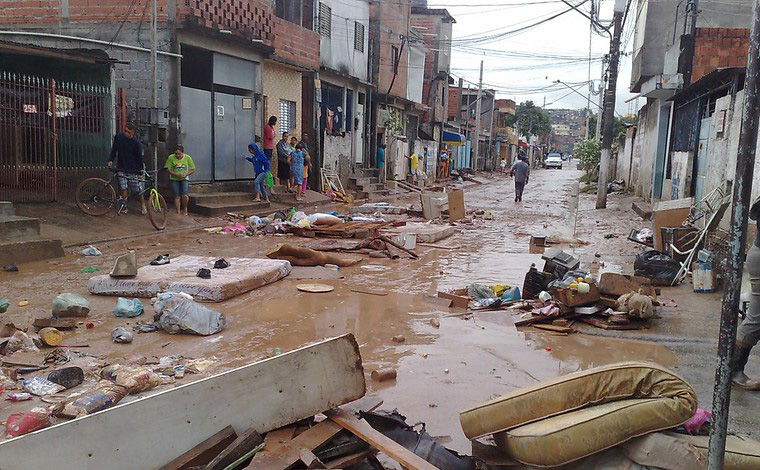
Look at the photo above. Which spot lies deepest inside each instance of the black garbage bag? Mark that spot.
(657, 266)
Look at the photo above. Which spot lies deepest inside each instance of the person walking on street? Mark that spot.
(521, 171)
(261, 166)
(180, 166)
(381, 161)
(269, 134)
(283, 167)
(126, 151)
(748, 333)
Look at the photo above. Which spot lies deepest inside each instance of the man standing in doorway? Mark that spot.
(521, 172)
(304, 143)
(127, 152)
(283, 166)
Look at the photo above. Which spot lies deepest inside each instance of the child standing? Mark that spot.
(296, 161)
(261, 167)
(306, 168)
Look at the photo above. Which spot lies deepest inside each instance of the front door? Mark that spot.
(359, 130)
(224, 136)
(700, 165)
(195, 109)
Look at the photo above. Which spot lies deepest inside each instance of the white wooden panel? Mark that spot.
(151, 431)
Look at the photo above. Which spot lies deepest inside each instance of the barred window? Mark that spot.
(287, 116)
(358, 36)
(325, 20)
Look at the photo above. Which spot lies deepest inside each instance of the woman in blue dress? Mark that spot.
(296, 160)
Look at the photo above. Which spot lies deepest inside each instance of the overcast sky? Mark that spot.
(523, 65)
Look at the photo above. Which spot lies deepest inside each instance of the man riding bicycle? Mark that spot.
(127, 152)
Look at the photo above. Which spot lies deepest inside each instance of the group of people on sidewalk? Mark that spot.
(293, 165)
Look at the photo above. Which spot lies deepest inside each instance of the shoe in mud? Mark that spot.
(160, 260)
(10, 268)
(204, 273)
(122, 203)
(221, 263)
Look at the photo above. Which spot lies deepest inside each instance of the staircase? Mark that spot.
(20, 239)
(215, 200)
(366, 184)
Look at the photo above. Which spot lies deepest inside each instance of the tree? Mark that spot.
(532, 120)
(618, 125)
(588, 152)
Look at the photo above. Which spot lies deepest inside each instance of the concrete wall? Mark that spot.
(645, 148)
(389, 21)
(338, 52)
(625, 156)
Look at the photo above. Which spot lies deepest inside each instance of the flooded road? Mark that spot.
(440, 370)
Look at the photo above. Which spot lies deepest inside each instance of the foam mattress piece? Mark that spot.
(243, 275)
(614, 382)
(742, 453)
(571, 436)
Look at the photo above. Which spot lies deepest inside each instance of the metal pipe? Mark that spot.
(54, 138)
(745, 164)
(83, 39)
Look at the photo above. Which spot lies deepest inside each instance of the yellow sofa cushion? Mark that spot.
(621, 381)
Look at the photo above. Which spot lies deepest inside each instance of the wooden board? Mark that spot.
(61, 324)
(615, 285)
(456, 205)
(289, 453)
(193, 456)
(458, 299)
(607, 325)
(554, 328)
(348, 460)
(573, 299)
(264, 395)
(374, 438)
(237, 449)
(367, 290)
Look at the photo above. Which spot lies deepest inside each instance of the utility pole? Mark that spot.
(598, 135)
(154, 74)
(609, 106)
(490, 129)
(745, 164)
(477, 118)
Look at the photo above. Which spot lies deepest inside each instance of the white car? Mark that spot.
(553, 160)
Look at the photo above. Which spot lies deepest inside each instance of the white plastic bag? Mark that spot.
(177, 313)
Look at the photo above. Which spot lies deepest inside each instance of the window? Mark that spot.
(325, 20)
(358, 36)
(289, 10)
(287, 119)
(394, 57)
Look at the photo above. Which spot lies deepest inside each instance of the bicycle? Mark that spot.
(96, 196)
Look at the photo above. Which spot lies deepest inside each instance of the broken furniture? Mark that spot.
(244, 275)
(669, 214)
(558, 263)
(562, 420)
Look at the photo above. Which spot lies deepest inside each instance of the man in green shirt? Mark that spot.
(180, 167)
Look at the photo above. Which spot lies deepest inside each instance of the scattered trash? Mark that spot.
(204, 273)
(35, 419)
(694, 424)
(125, 265)
(399, 339)
(435, 323)
(670, 303)
(221, 263)
(661, 268)
(374, 268)
(104, 394)
(548, 348)
(121, 335)
(4, 304)
(40, 386)
(199, 366)
(235, 228)
(68, 377)
(90, 251)
(10, 268)
(70, 305)
(145, 327)
(544, 296)
(315, 288)
(20, 342)
(50, 336)
(177, 313)
(18, 396)
(134, 379)
(381, 375)
(23, 303)
(160, 260)
(214, 229)
(89, 270)
(128, 308)
(610, 235)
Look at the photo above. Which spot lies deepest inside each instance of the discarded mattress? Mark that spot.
(243, 275)
(568, 418)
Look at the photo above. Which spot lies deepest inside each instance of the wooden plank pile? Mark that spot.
(346, 230)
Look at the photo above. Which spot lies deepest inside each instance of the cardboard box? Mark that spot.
(456, 205)
(669, 214)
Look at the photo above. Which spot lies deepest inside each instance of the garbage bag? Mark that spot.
(35, 419)
(480, 292)
(103, 395)
(90, 251)
(510, 295)
(121, 335)
(128, 308)
(179, 314)
(657, 266)
(134, 379)
(4, 304)
(70, 305)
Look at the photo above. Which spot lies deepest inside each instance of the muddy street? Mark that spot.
(440, 370)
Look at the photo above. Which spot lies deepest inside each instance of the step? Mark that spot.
(30, 249)
(216, 210)
(372, 187)
(371, 194)
(366, 171)
(6, 208)
(360, 180)
(221, 187)
(221, 198)
(15, 227)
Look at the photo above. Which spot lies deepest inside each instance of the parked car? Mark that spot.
(553, 160)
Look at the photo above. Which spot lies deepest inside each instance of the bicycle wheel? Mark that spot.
(157, 210)
(95, 196)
